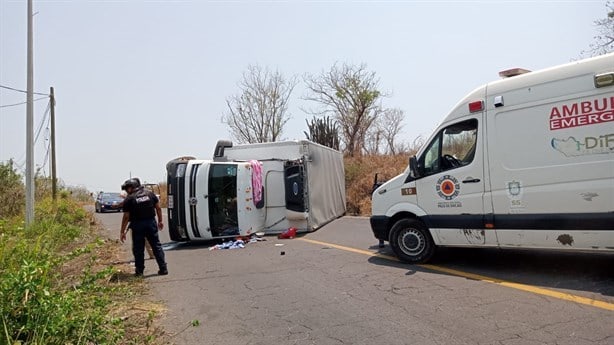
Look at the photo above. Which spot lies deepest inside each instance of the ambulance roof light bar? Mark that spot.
(512, 72)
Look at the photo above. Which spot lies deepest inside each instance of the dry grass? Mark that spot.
(359, 178)
(163, 194)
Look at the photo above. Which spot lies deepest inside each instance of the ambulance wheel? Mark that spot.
(411, 241)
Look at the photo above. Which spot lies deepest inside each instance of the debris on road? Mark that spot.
(229, 245)
(239, 242)
(288, 234)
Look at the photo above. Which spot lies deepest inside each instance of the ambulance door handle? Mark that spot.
(471, 180)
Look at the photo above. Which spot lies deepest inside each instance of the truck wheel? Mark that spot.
(411, 241)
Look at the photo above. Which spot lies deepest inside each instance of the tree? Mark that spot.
(351, 94)
(393, 125)
(604, 40)
(12, 191)
(373, 140)
(323, 131)
(259, 112)
(386, 130)
(416, 145)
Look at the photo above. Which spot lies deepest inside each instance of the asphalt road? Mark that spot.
(334, 286)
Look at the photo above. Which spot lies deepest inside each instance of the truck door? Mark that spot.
(294, 182)
(222, 200)
(451, 187)
(196, 206)
(176, 199)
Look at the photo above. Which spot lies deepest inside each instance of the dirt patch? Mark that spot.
(565, 239)
(132, 303)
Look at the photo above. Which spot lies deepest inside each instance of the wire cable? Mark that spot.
(14, 89)
(21, 166)
(16, 104)
(40, 127)
(46, 159)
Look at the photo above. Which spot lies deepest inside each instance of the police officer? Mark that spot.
(141, 207)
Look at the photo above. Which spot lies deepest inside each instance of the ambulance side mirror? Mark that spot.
(413, 167)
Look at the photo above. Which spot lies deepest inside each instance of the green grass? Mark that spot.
(42, 299)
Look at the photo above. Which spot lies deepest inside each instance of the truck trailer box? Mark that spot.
(246, 189)
(522, 162)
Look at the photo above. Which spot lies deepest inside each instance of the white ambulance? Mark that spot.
(523, 162)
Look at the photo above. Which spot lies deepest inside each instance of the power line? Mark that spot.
(19, 166)
(13, 89)
(40, 127)
(48, 149)
(45, 119)
(46, 159)
(12, 105)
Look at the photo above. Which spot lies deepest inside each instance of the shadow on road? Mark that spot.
(172, 245)
(589, 272)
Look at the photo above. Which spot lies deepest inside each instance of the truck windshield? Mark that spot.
(223, 200)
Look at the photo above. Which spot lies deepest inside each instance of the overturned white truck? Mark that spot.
(252, 188)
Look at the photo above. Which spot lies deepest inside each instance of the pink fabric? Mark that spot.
(256, 180)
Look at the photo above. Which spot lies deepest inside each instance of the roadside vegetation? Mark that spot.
(359, 177)
(59, 282)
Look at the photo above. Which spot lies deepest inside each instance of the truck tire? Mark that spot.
(411, 241)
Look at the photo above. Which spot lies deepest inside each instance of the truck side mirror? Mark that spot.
(413, 167)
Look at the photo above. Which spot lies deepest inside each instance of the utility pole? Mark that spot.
(30, 124)
(54, 180)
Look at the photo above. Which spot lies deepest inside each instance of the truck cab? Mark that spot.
(219, 199)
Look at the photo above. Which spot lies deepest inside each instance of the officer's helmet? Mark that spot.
(131, 183)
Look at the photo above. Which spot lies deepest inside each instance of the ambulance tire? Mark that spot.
(411, 241)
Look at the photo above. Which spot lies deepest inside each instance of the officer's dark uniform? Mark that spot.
(141, 206)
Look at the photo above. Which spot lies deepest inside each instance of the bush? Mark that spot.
(37, 310)
(77, 193)
(64, 212)
(12, 192)
(41, 300)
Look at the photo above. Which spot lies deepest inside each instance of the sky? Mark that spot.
(138, 83)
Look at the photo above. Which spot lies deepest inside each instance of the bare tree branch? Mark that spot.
(259, 112)
(391, 125)
(604, 40)
(351, 95)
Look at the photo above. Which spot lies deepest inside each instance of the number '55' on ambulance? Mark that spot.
(523, 162)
